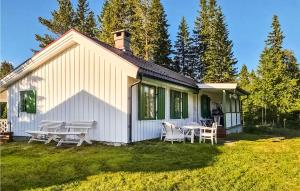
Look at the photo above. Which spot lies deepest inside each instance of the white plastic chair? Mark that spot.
(209, 133)
(163, 132)
(173, 133)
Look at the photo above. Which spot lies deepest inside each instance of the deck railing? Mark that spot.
(4, 126)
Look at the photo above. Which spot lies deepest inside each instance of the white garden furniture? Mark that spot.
(191, 130)
(209, 133)
(173, 133)
(75, 132)
(163, 132)
(45, 128)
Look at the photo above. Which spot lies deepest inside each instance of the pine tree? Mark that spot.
(66, 18)
(159, 42)
(215, 48)
(90, 25)
(181, 62)
(277, 90)
(244, 80)
(115, 15)
(200, 39)
(145, 20)
(61, 22)
(84, 20)
(5, 68)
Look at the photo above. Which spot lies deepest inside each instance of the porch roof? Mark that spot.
(223, 86)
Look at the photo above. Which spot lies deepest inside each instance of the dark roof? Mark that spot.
(150, 69)
(146, 68)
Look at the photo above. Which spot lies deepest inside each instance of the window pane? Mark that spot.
(175, 104)
(148, 102)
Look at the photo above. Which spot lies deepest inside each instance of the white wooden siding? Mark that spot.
(150, 129)
(84, 82)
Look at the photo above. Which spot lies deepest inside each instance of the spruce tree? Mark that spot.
(243, 80)
(81, 15)
(62, 20)
(84, 20)
(277, 90)
(216, 55)
(200, 40)
(5, 68)
(123, 14)
(159, 42)
(66, 18)
(147, 23)
(181, 62)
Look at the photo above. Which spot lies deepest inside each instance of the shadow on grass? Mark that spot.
(255, 133)
(26, 166)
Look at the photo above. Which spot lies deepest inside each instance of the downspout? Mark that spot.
(130, 120)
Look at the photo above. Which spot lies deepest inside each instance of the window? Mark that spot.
(178, 105)
(28, 101)
(3, 110)
(205, 106)
(151, 102)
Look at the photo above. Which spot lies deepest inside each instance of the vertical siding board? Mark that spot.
(106, 97)
(97, 93)
(101, 86)
(112, 104)
(124, 106)
(100, 75)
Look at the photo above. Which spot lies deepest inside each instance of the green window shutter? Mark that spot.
(185, 110)
(161, 103)
(205, 106)
(31, 101)
(172, 103)
(140, 102)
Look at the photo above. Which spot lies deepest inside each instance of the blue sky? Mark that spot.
(248, 23)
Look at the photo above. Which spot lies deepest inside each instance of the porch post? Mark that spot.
(224, 108)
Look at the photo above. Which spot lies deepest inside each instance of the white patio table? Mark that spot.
(192, 129)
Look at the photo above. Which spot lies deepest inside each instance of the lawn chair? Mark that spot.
(209, 133)
(76, 132)
(45, 128)
(163, 132)
(173, 133)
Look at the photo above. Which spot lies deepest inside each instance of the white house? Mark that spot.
(80, 78)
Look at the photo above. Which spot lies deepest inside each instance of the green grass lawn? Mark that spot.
(250, 162)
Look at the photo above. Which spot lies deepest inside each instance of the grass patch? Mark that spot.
(251, 162)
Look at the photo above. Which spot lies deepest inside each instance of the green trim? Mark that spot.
(173, 95)
(160, 103)
(205, 106)
(185, 109)
(142, 102)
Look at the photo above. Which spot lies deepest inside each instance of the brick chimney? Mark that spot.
(122, 40)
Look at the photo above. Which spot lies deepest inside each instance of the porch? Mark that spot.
(222, 104)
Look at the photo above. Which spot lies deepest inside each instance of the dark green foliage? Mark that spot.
(182, 53)
(147, 23)
(84, 20)
(215, 48)
(62, 20)
(3, 110)
(5, 68)
(66, 18)
(159, 43)
(275, 91)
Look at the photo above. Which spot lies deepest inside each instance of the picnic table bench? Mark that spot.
(78, 129)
